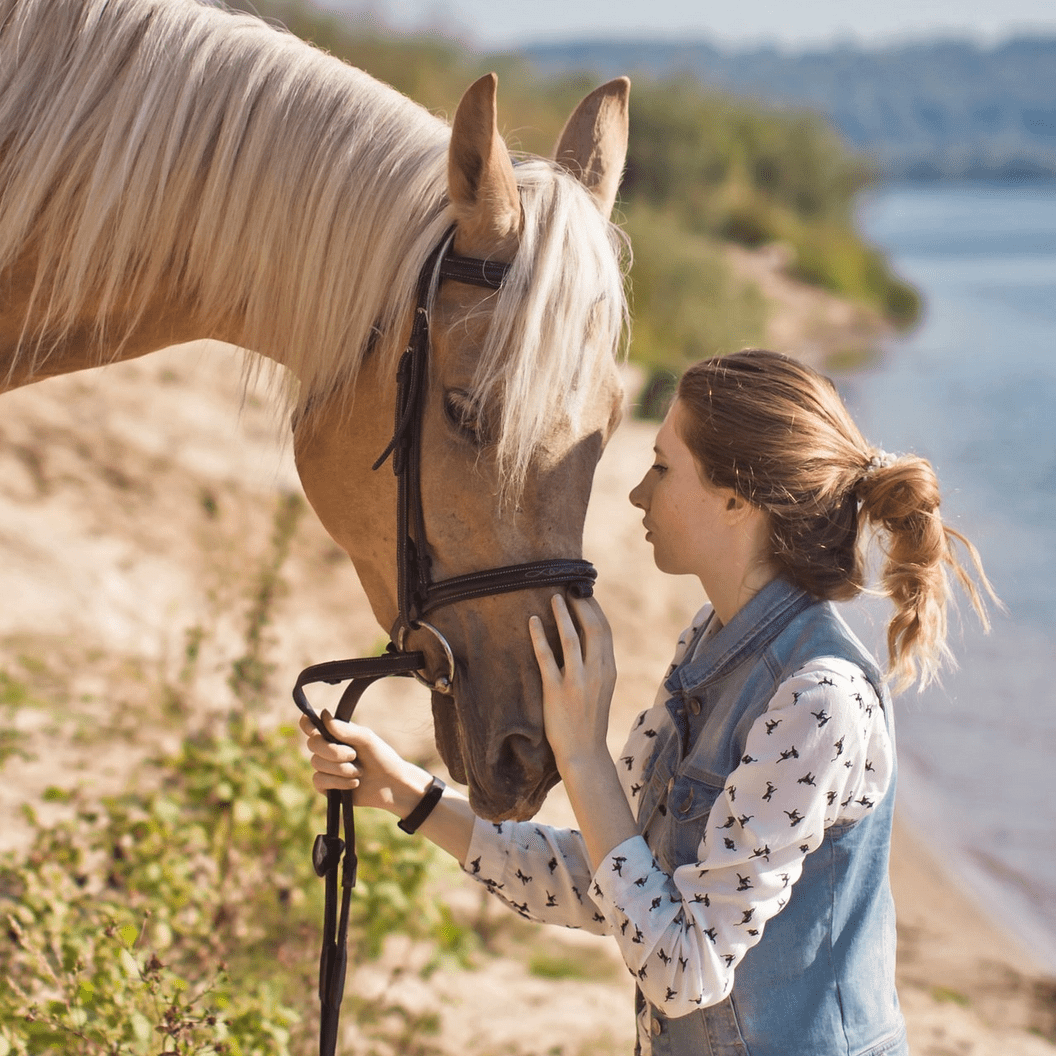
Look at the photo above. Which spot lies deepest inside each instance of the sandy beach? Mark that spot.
(119, 531)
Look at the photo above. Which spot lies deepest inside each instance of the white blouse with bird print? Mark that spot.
(682, 935)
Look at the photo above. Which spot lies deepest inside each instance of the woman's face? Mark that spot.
(686, 518)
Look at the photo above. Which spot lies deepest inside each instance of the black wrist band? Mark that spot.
(425, 806)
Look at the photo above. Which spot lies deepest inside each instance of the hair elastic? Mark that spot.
(881, 460)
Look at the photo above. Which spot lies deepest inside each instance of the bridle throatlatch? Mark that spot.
(334, 856)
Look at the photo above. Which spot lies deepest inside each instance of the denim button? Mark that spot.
(658, 1027)
(670, 786)
(694, 705)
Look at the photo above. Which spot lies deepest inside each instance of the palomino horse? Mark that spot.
(170, 171)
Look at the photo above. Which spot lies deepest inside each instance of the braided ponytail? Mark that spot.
(901, 498)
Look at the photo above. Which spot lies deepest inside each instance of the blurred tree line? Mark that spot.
(703, 169)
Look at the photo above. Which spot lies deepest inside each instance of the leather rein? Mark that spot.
(334, 856)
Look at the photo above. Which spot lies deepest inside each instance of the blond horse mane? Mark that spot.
(154, 144)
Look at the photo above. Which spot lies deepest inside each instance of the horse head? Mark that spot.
(522, 394)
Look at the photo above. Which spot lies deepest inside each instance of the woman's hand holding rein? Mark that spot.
(364, 762)
(380, 777)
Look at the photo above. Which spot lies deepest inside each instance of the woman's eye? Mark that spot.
(657, 468)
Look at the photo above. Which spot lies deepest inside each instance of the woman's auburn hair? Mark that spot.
(777, 433)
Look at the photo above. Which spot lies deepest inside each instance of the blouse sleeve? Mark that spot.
(541, 872)
(818, 754)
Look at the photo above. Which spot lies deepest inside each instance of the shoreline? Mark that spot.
(917, 866)
(965, 982)
(1008, 903)
(826, 331)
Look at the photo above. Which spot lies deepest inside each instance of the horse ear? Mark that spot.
(593, 145)
(480, 179)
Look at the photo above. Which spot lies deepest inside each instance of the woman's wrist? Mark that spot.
(411, 822)
(408, 793)
(598, 801)
(583, 762)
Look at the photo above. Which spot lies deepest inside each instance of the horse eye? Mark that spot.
(464, 415)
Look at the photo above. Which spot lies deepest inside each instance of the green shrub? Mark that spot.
(738, 171)
(182, 916)
(687, 303)
(190, 913)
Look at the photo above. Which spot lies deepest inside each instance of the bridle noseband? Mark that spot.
(418, 596)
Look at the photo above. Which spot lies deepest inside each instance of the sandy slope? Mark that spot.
(135, 503)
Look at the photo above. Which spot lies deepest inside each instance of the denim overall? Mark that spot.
(821, 981)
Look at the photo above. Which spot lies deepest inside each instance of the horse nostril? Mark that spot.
(519, 756)
(521, 770)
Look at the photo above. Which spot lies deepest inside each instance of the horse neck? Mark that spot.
(29, 354)
(288, 196)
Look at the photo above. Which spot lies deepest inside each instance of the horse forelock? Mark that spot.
(560, 320)
(154, 144)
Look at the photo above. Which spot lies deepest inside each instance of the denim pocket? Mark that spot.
(689, 803)
(714, 1030)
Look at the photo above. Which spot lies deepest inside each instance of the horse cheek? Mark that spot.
(446, 734)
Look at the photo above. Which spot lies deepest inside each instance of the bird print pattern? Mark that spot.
(819, 754)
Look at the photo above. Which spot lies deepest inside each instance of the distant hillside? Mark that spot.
(942, 109)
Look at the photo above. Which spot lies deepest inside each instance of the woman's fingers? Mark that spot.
(576, 696)
(342, 750)
(592, 622)
(544, 655)
(597, 635)
(325, 782)
(342, 767)
(339, 753)
(359, 759)
(334, 762)
(566, 630)
(583, 632)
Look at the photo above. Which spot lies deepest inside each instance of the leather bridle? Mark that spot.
(418, 596)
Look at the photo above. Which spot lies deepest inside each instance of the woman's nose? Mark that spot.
(637, 495)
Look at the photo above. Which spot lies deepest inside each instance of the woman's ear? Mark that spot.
(743, 515)
(736, 505)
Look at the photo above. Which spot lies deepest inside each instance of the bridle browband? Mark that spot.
(418, 595)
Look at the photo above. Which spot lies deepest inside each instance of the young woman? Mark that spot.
(737, 849)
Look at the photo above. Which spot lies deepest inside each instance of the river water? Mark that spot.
(973, 389)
